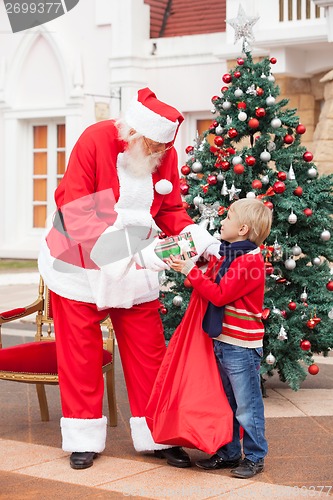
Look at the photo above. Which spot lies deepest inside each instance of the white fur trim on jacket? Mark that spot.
(150, 124)
(201, 237)
(141, 436)
(83, 434)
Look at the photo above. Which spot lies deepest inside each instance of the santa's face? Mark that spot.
(143, 156)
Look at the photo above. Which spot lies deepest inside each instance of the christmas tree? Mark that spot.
(253, 149)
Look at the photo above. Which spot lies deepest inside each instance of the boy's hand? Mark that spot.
(179, 265)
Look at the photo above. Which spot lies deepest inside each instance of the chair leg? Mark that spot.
(111, 395)
(44, 410)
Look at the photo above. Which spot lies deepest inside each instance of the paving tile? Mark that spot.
(258, 490)
(170, 482)
(16, 455)
(105, 469)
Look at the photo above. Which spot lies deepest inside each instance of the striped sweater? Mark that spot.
(241, 291)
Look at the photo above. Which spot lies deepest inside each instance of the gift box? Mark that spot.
(179, 246)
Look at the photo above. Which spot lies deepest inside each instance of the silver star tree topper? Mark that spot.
(243, 25)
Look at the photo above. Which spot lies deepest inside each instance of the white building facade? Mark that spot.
(58, 78)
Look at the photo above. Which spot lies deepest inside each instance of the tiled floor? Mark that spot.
(32, 464)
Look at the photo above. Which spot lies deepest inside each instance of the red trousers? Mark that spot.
(79, 343)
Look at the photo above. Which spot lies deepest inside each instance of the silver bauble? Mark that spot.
(270, 100)
(292, 219)
(177, 300)
(271, 78)
(265, 156)
(250, 194)
(197, 200)
(213, 111)
(242, 116)
(316, 261)
(220, 177)
(330, 314)
(312, 172)
(226, 105)
(219, 130)
(276, 123)
(290, 264)
(238, 92)
(265, 179)
(196, 166)
(270, 359)
(304, 296)
(296, 250)
(325, 235)
(236, 160)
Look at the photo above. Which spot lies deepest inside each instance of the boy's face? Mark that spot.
(231, 229)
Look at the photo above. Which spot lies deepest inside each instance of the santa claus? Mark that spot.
(121, 185)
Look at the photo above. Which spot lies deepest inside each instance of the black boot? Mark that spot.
(82, 460)
(216, 462)
(175, 456)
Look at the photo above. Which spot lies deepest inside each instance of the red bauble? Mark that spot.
(288, 139)
(162, 235)
(283, 314)
(300, 129)
(308, 156)
(185, 170)
(260, 112)
(241, 105)
(225, 165)
(279, 187)
(256, 184)
(189, 149)
(227, 78)
(224, 89)
(305, 345)
(239, 168)
(269, 269)
(231, 151)
(313, 369)
(298, 191)
(269, 204)
(329, 286)
(163, 310)
(250, 161)
(311, 324)
(232, 133)
(292, 306)
(187, 283)
(218, 140)
(211, 179)
(260, 91)
(215, 98)
(273, 60)
(253, 123)
(281, 176)
(186, 205)
(184, 188)
(240, 61)
(265, 313)
(237, 74)
(307, 211)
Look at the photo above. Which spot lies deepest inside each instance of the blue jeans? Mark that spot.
(240, 373)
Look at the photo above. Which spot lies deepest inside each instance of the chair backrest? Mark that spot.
(44, 318)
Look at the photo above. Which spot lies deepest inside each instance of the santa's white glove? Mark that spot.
(213, 249)
(147, 258)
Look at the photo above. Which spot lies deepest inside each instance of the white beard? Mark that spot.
(138, 162)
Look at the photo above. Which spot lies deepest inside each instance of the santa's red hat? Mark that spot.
(152, 118)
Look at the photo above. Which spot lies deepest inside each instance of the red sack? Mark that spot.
(188, 406)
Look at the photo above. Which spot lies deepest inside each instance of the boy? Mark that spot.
(233, 320)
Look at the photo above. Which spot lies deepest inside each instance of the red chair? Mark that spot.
(36, 362)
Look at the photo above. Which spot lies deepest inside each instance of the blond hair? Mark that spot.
(256, 216)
